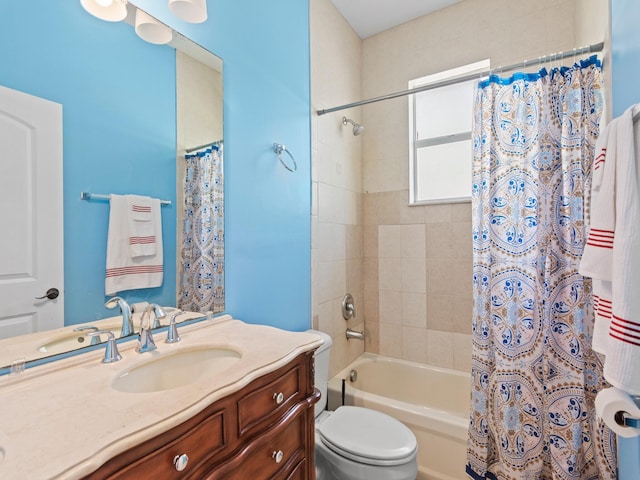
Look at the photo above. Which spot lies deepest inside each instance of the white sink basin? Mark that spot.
(176, 369)
(73, 340)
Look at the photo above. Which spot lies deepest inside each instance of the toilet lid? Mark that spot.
(368, 436)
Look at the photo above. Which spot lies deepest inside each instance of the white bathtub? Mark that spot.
(433, 402)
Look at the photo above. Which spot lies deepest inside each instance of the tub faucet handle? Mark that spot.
(348, 307)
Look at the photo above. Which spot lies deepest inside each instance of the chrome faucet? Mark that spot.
(95, 339)
(354, 334)
(172, 332)
(111, 353)
(127, 322)
(145, 338)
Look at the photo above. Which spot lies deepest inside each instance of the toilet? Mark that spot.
(356, 443)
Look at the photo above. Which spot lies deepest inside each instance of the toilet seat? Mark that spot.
(367, 436)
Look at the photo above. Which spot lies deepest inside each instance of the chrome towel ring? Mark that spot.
(278, 148)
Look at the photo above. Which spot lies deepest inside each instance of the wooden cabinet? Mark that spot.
(263, 431)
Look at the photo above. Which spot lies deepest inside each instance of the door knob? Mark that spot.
(51, 294)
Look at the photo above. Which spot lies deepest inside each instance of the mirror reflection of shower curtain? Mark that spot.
(534, 375)
(202, 250)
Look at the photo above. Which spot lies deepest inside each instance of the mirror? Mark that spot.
(131, 109)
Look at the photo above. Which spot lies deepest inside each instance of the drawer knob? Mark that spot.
(277, 456)
(278, 397)
(180, 461)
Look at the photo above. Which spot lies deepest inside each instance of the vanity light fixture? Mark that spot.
(192, 11)
(151, 30)
(109, 10)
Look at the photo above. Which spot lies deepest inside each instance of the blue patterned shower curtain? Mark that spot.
(534, 376)
(202, 253)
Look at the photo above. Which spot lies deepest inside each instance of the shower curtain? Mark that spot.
(202, 251)
(534, 375)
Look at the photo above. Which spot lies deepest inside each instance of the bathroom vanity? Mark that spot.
(231, 400)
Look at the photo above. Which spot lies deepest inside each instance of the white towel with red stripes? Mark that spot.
(597, 257)
(142, 230)
(130, 265)
(612, 254)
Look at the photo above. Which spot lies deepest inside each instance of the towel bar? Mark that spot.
(99, 196)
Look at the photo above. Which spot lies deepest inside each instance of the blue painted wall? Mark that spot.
(265, 48)
(625, 39)
(118, 97)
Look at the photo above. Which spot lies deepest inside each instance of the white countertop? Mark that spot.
(63, 420)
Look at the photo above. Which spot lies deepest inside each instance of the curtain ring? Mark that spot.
(278, 148)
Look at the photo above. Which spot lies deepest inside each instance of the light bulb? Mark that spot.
(109, 10)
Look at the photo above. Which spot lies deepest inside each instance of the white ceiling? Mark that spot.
(368, 17)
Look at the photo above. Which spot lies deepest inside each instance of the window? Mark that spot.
(440, 137)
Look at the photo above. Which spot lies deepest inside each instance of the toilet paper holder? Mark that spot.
(624, 419)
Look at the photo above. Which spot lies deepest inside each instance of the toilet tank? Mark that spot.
(321, 358)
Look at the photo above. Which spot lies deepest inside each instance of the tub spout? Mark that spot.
(354, 334)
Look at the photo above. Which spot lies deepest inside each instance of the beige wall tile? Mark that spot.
(414, 310)
(389, 241)
(370, 209)
(439, 277)
(370, 241)
(372, 337)
(390, 274)
(414, 344)
(370, 273)
(390, 340)
(414, 275)
(461, 242)
(390, 307)
(413, 241)
(461, 212)
(440, 348)
(355, 281)
(462, 352)
(439, 241)
(440, 312)
(461, 315)
(462, 278)
(413, 214)
(339, 278)
(326, 322)
(388, 208)
(372, 307)
(438, 213)
(353, 241)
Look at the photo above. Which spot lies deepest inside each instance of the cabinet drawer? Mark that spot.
(273, 456)
(275, 396)
(200, 443)
(299, 472)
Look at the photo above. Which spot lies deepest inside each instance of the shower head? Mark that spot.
(357, 128)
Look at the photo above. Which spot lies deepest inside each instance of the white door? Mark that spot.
(31, 230)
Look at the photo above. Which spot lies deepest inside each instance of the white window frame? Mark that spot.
(414, 144)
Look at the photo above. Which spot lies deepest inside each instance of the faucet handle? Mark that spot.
(172, 332)
(95, 339)
(146, 343)
(111, 353)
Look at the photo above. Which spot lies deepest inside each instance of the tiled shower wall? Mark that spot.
(336, 236)
(418, 279)
(418, 265)
(409, 268)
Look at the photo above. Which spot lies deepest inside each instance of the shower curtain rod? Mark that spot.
(597, 47)
(200, 147)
